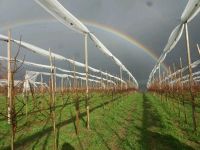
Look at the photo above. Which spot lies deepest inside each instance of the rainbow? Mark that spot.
(105, 28)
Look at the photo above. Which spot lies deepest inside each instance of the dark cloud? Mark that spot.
(149, 3)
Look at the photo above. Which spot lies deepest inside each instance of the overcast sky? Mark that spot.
(149, 22)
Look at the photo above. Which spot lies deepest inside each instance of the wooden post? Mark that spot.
(121, 77)
(9, 74)
(53, 99)
(26, 102)
(174, 70)
(170, 79)
(41, 83)
(181, 72)
(70, 85)
(152, 84)
(177, 89)
(153, 78)
(86, 76)
(163, 82)
(106, 80)
(62, 89)
(11, 119)
(198, 48)
(74, 72)
(55, 78)
(159, 78)
(190, 76)
(75, 87)
(81, 83)
(26, 94)
(62, 85)
(159, 72)
(101, 80)
(181, 90)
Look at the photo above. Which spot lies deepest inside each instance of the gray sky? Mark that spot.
(149, 22)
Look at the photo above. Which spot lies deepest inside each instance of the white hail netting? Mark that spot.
(4, 82)
(64, 16)
(109, 54)
(191, 10)
(33, 48)
(196, 78)
(43, 52)
(77, 77)
(195, 75)
(49, 67)
(83, 74)
(31, 77)
(39, 84)
(172, 41)
(193, 65)
(185, 79)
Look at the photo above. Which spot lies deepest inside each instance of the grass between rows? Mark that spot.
(167, 127)
(128, 121)
(106, 120)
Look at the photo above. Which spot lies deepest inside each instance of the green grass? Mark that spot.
(179, 135)
(36, 132)
(128, 121)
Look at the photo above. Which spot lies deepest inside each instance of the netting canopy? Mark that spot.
(191, 10)
(63, 15)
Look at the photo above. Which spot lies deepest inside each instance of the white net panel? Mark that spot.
(49, 67)
(191, 10)
(43, 52)
(63, 15)
(30, 79)
(4, 82)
